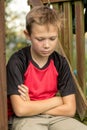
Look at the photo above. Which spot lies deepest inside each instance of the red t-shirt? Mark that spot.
(42, 84)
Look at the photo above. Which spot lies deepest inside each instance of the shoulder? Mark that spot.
(19, 59)
(59, 60)
(56, 56)
(20, 56)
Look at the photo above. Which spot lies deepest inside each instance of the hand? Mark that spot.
(24, 92)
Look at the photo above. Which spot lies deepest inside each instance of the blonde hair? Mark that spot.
(43, 15)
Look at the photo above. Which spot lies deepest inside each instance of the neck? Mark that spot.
(40, 60)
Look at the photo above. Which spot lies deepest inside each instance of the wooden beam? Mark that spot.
(41, 2)
(35, 2)
(80, 43)
(67, 45)
(3, 92)
(80, 98)
(56, 1)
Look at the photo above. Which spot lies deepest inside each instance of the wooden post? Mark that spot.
(3, 93)
(67, 45)
(80, 43)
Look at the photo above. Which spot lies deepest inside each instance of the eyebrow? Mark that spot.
(42, 37)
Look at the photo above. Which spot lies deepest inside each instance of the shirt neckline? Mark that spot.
(35, 64)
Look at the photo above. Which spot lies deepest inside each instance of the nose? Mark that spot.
(46, 44)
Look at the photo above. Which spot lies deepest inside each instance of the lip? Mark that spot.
(45, 52)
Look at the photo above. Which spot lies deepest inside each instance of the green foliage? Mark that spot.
(14, 37)
(10, 25)
(83, 121)
(17, 44)
(7, 2)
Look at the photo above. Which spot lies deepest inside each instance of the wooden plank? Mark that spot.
(56, 1)
(80, 98)
(58, 7)
(80, 43)
(35, 2)
(3, 94)
(39, 2)
(67, 45)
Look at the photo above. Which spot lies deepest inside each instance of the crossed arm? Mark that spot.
(23, 106)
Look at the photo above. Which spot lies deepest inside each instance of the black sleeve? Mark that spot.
(14, 74)
(66, 83)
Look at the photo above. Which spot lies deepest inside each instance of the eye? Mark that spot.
(52, 38)
(40, 39)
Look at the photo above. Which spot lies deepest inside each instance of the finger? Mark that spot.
(23, 89)
(22, 93)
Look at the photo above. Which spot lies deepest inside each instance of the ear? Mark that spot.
(26, 34)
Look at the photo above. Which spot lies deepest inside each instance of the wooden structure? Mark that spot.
(3, 94)
(65, 47)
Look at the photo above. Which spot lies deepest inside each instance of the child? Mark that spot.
(35, 75)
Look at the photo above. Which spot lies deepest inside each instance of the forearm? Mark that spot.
(23, 106)
(30, 108)
(38, 107)
(63, 110)
(53, 106)
(68, 108)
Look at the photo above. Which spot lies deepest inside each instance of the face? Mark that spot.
(44, 39)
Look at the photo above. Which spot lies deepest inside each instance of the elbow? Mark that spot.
(71, 112)
(71, 109)
(18, 112)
